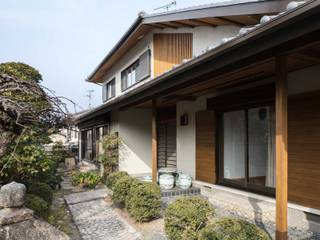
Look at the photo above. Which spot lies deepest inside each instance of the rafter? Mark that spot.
(183, 24)
(231, 21)
(198, 21)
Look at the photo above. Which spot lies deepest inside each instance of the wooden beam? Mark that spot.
(231, 21)
(202, 22)
(154, 142)
(155, 25)
(309, 57)
(166, 25)
(281, 149)
(183, 24)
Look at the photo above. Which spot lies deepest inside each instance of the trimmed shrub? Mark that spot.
(186, 216)
(121, 189)
(38, 205)
(114, 177)
(232, 229)
(86, 179)
(144, 201)
(42, 190)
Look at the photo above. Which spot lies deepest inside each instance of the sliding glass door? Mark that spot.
(247, 148)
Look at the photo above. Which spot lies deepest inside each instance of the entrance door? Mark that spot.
(167, 149)
(247, 148)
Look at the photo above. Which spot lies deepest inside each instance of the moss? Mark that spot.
(57, 218)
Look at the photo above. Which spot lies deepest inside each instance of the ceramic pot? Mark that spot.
(184, 181)
(166, 181)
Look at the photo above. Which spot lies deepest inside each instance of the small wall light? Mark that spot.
(184, 119)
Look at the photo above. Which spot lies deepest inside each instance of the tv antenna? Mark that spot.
(89, 96)
(167, 6)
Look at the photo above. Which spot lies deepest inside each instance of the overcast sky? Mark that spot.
(66, 39)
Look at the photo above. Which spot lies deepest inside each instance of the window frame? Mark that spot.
(136, 63)
(107, 86)
(130, 68)
(265, 190)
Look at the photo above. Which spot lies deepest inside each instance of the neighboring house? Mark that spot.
(66, 136)
(221, 95)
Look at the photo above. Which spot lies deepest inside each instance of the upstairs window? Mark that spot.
(137, 72)
(109, 90)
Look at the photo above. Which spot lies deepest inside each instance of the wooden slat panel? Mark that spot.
(170, 49)
(205, 147)
(304, 149)
(167, 155)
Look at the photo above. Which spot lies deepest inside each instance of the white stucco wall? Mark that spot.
(186, 135)
(134, 128)
(129, 58)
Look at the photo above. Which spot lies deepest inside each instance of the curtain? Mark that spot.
(234, 145)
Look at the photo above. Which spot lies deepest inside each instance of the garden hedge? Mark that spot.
(121, 189)
(144, 201)
(232, 229)
(185, 216)
(114, 177)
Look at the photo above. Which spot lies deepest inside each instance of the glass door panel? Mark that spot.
(248, 155)
(234, 146)
(261, 147)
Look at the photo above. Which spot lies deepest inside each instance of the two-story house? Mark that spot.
(228, 93)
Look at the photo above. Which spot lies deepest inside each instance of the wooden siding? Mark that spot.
(167, 149)
(170, 49)
(304, 149)
(205, 146)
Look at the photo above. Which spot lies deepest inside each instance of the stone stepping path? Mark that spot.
(96, 219)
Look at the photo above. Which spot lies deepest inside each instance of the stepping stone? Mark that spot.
(85, 196)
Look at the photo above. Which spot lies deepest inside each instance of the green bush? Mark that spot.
(114, 177)
(232, 229)
(121, 189)
(38, 205)
(144, 201)
(86, 179)
(186, 216)
(42, 190)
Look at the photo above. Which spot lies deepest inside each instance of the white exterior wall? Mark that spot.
(134, 128)
(186, 135)
(115, 72)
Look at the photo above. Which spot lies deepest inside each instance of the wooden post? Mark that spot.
(154, 142)
(281, 149)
